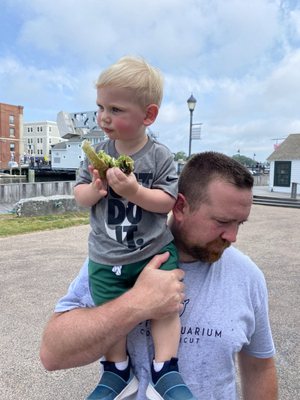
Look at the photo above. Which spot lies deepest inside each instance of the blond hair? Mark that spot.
(136, 74)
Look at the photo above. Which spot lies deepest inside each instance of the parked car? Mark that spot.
(12, 164)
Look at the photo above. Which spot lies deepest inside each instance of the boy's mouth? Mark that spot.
(107, 130)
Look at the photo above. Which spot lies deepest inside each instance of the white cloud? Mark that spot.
(240, 59)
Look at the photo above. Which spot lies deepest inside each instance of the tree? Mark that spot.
(180, 156)
(248, 162)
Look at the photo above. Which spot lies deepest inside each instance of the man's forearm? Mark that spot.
(81, 336)
(258, 378)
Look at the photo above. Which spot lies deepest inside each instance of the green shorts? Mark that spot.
(108, 282)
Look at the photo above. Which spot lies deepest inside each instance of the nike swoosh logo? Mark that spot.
(171, 179)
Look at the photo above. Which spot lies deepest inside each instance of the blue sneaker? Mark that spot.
(168, 384)
(114, 384)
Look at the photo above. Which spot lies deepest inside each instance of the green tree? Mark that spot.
(248, 162)
(180, 156)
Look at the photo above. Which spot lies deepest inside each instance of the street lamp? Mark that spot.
(191, 105)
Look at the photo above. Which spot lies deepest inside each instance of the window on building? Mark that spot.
(282, 173)
(11, 131)
(12, 147)
(11, 119)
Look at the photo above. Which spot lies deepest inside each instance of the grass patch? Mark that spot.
(13, 225)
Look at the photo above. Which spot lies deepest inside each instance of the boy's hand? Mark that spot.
(98, 184)
(124, 185)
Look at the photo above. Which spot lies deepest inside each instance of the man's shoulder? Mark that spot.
(240, 264)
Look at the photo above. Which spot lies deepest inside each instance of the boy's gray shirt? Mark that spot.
(225, 311)
(122, 232)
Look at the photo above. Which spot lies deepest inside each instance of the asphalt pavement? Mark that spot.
(37, 268)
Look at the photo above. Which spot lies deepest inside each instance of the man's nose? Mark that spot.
(230, 233)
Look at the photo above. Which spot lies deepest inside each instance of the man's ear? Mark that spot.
(180, 207)
(151, 114)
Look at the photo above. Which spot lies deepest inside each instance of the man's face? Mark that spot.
(205, 233)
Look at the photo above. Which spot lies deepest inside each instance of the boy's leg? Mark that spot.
(117, 380)
(166, 381)
(118, 352)
(166, 336)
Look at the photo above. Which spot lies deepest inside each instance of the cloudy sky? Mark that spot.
(239, 58)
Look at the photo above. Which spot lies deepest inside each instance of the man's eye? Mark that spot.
(100, 108)
(221, 222)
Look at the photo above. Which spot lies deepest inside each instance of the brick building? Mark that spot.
(11, 134)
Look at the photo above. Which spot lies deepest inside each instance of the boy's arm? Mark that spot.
(88, 194)
(153, 200)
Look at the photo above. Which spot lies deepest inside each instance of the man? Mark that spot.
(224, 310)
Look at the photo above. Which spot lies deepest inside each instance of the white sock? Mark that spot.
(122, 364)
(157, 365)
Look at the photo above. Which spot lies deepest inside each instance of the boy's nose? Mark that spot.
(102, 117)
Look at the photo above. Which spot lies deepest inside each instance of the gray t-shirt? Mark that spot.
(225, 311)
(133, 233)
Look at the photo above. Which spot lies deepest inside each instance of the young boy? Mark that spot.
(128, 219)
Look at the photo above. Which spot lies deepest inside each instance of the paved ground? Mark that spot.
(36, 269)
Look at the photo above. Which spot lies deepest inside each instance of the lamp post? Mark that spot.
(191, 105)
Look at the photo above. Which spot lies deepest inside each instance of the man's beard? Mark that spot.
(210, 253)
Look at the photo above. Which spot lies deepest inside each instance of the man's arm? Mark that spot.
(258, 378)
(81, 336)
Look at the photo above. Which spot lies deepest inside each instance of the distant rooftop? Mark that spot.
(289, 149)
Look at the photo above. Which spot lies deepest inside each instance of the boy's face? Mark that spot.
(119, 115)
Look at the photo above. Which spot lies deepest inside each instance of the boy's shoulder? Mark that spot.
(159, 146)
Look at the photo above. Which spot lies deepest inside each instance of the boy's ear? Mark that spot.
(151, 114)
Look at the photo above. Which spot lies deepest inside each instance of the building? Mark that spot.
(69, 155)
(39, 137)
(11, 134)
(285, 165)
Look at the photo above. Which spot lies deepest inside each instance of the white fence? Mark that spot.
(13, 192)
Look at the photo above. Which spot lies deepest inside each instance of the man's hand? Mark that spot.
(159, 293)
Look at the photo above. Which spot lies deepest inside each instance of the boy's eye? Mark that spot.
(115, 110)
(100, 108)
